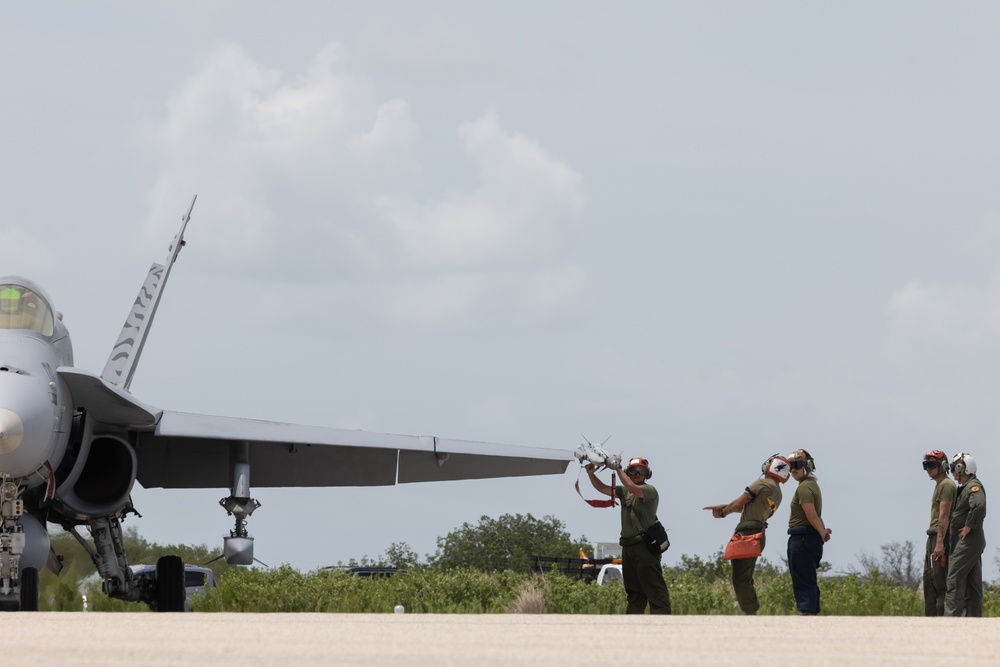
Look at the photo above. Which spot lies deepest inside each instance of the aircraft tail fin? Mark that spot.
(125, 354)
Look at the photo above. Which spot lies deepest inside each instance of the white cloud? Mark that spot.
(944, 333)
(303, 176)
(498, 249)
(524, 210)
(432, 301)
(240, 134)
(386, 148)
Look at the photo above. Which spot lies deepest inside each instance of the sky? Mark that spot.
(707, 231)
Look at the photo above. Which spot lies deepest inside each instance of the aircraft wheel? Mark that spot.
(29, 589)
(170, 593)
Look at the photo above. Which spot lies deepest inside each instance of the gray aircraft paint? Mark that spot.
(75, 444)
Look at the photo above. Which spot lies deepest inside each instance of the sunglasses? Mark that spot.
(635, 471)
(931, 464)
(796, 465)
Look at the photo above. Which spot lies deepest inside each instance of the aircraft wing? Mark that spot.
(196, 451)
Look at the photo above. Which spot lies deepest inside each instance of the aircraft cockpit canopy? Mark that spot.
(22, 308)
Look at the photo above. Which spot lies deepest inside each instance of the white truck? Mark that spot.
(605, 567)
(608, 573)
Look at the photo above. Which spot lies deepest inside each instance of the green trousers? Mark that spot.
(743, 569)
(965, 576)
(643, 578)
(935, 579)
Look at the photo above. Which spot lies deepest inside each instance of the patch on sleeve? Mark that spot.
(974, 489)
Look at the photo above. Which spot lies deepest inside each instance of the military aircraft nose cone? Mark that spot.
(11, 431)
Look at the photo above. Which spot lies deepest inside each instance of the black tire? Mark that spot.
(170, 593)
(29, 589)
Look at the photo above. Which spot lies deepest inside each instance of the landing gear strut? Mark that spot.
(238, 547)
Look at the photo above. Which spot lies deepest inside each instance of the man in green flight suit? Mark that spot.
(938, 546)
(641, 569)
(968, 542)
(756, 505)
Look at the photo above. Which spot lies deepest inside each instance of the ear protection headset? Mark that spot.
(798, 454)
(767, 462)
(960, 467)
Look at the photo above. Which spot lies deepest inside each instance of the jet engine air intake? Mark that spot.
(101, 480)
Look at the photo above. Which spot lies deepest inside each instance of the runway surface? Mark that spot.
(295, 640)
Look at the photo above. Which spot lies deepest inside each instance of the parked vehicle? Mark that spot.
(196, 580)
(597, 570)
(609, 573)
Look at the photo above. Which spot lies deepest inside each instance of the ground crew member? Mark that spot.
(806, 532)
(938, 546)
(968, 542)
(756, 505)
(641, 569)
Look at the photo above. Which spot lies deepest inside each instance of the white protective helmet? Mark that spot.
(776, 468)
(963, 464)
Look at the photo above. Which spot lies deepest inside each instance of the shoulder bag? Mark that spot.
(655, 536)
(743, 546)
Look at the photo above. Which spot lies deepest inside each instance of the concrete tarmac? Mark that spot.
(297, 640)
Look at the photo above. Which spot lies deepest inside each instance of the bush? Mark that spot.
(565, 595)
(505, 543)
(420, 590)
(467, 591)
(697, 586)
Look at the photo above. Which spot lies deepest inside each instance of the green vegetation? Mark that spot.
(466, 591)
(506, 543)
(421, 590)
(483, 569)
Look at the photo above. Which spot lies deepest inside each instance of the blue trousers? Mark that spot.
(805, 551)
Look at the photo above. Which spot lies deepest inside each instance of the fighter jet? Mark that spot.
(73, 444)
